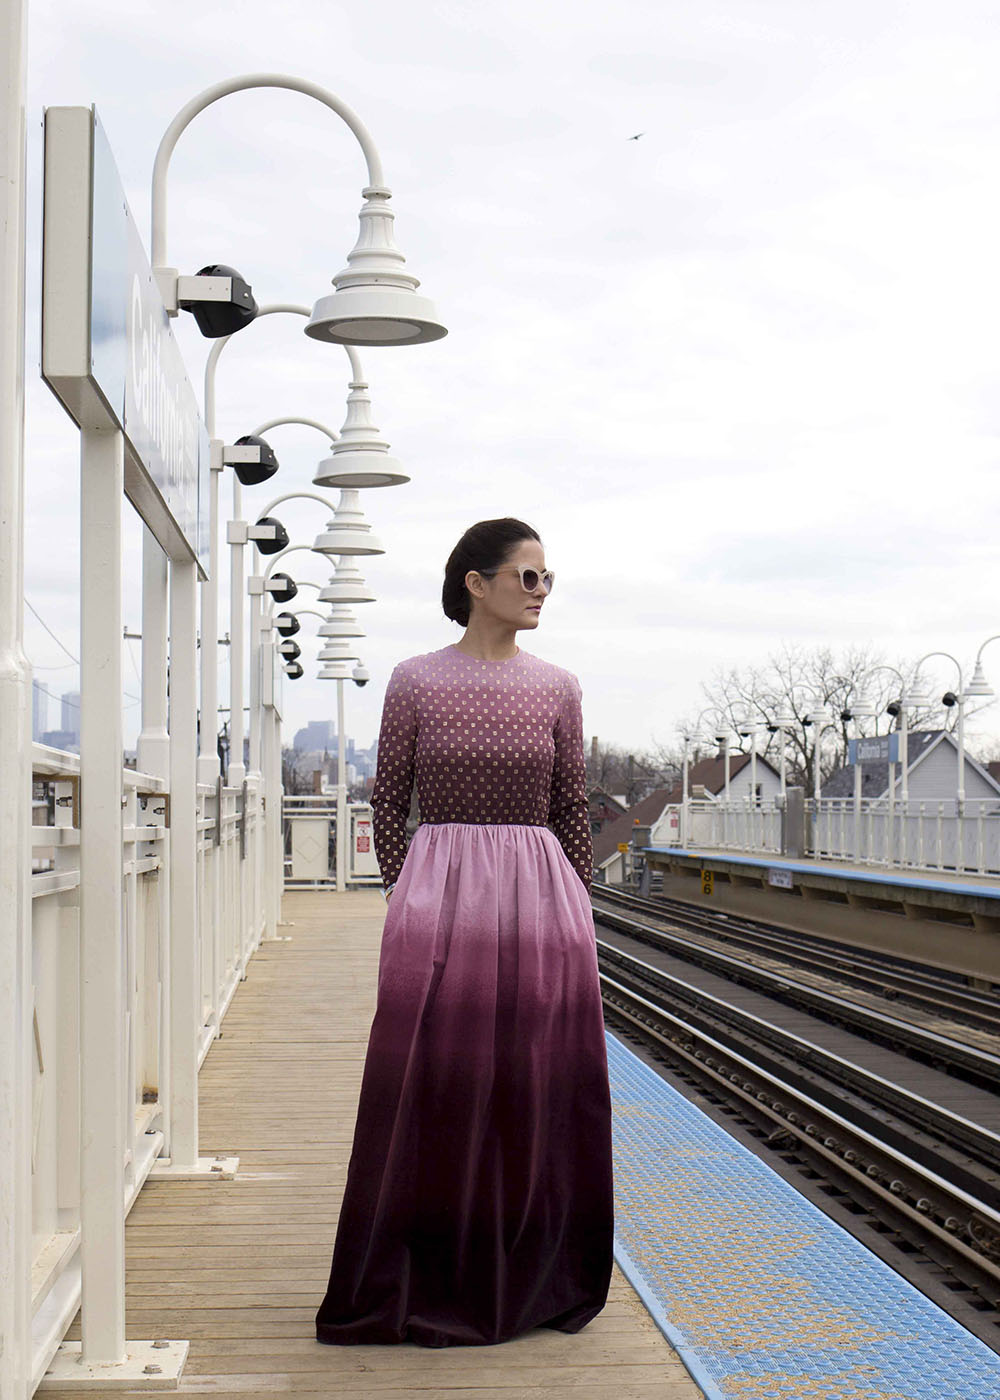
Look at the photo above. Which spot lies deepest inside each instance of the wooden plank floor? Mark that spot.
(239, 1267)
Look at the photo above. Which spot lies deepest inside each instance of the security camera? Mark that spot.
(291, 651)
(949, 698)
(894, 708)
(360, 674)
(282, 588)
(720, 739)
(220, 300)
(846, 715)
(259, 462)
(293, 671)
(806, 722)
(287, 624)
(280, 540)
(773, 728)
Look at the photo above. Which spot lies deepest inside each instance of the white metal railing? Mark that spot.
(915, 835)
(229, 929)
(726, 826)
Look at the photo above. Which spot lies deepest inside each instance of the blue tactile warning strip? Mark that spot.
(763, 1296)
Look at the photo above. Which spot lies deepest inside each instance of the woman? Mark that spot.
(479, 1200)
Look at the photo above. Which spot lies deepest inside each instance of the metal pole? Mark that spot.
(685, 833)
(857, 798)
(255, 697)
(341, 793)
(15, 738)
(153, 751)
(237, 661)
(102, 1087)
(185, 992)
(961, 750)
(208, 756)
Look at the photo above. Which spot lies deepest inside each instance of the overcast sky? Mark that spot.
(741, 374)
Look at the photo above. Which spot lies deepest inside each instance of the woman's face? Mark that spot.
(501, 597)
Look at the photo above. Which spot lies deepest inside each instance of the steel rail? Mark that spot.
(976, 1065)
(953, 1228)
(980, 1010)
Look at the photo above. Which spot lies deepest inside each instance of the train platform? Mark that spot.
(239, 1267)
(947, 919)
(942, 881)
(764, 1296)
(727, 1282)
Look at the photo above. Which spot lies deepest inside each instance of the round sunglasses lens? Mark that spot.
(530, 580)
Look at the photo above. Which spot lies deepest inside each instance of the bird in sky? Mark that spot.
(637, 135)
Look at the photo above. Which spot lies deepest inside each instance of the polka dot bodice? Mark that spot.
(488, 742)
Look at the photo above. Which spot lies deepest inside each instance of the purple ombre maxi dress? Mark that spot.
(479, 1194)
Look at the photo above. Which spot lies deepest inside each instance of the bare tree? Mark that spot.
(634, 774)
(297, 771)
(796, 681)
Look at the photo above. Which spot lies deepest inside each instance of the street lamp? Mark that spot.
(689, 733)
(341, 671)
(251, 457)
(375, 301)
(782, 721)
(950, 699)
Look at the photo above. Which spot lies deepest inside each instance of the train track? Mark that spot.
(932, 1047)
(905, 1172)
(880, 974)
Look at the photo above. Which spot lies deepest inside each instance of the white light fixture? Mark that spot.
(375, 302)
(861, 708)
(916, 699)
(347, 585)
(340, 650)
(336, 671)
(979, 685)
(348, 532)
(341, 622)
(359, 457)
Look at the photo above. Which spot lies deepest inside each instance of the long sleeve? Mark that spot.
(393, 787)
(569, 817)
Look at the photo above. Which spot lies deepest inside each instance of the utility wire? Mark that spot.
(66, 649)
(51, 634)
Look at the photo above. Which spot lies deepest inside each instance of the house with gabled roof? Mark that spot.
(706, 782)
(932, 772)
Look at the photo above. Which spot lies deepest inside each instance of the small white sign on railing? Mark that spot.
(780, 879)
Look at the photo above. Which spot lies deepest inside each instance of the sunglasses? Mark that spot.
(530, 578)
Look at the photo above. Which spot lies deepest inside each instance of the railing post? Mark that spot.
(15, 737)
(185, 989)
(102, 1216)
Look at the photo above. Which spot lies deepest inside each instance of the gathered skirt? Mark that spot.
(478, 1201)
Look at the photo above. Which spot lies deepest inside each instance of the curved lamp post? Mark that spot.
(375, 301)
(949, 699)
(341, 671)
(363, 461)
(689, 733)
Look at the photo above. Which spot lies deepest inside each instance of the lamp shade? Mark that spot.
(348, 532)
(375, 301)
(340, 650)
(979, 685)
(347, 585)
(336, 671)
(341, 622)
(359, 456)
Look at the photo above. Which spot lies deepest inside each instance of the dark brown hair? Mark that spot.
(483, 547)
